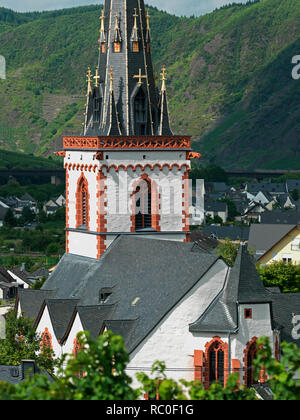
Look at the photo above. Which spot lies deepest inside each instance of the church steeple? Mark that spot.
(125, 49)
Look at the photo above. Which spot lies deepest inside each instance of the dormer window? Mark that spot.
(135, 47)
(103, 48)
(117, 47)
(104, 295)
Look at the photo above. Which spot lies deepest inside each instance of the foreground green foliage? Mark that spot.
(98, 372)
(228, 250)
(282, 275)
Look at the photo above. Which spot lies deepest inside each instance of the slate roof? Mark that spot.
(231, 232)
(281, 218)
(285, 305)
(5, 277)
(243, 285)
(271, 187)
(215, 206)
(32, 301)
(203, 241)
(148, 278)
(264, 236)
(61, 311)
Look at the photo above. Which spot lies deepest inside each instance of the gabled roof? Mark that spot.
(148, 278)
(231, 232)
(281, 218)
(264, 237)
(61, 311)
(243, 285)
(5, 277)
(32, 301)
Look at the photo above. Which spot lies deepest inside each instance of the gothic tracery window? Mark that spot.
(216, 364)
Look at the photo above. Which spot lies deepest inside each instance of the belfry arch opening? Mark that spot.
(143, 205)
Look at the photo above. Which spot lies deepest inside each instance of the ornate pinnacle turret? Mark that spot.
(135, 32)
(89, 81)
(164, 79)
(117, 35)
(102, 29)
(148, 29)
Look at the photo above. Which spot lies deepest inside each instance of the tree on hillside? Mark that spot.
(9, 219)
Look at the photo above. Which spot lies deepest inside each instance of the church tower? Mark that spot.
(127, 173)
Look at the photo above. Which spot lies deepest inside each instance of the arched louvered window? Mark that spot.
(216, 364)
(97, 109)
(82, 205)
(143, 210)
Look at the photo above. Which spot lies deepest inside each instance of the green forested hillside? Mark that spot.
(230, 83)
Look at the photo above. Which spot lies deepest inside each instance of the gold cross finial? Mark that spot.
(135, 19)
(164, 79)
(97, 77)
(140, 77)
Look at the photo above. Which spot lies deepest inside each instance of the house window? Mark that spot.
(143, 218)
(148, 47)
(248, 313)
(117, 47)
(103, 48)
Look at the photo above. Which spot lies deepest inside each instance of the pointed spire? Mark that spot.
(117, 36)
(164, 112)
(164, 79)
(148, 29)
(135, 31)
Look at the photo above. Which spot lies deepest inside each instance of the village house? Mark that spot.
(275, 243)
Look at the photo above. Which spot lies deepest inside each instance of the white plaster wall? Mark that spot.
(76, 328)
(260, 325)
(18, 280)
(83, 244)
(171, 340)
(45, 322)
